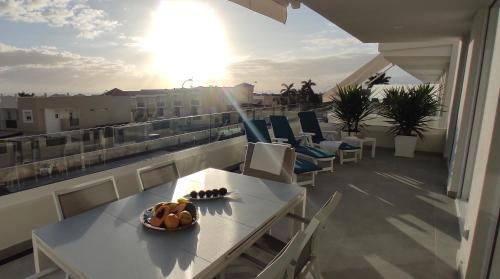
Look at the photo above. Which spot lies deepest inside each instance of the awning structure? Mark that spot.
(274, 9)
(375, 65)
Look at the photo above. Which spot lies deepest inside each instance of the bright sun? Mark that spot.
(187, 41)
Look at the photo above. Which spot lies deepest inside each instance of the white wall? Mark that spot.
(23, 211)
(433, 141)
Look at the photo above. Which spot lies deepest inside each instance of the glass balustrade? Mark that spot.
(32, 161)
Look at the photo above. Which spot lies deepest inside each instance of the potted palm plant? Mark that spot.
(352, 106)
(409, 111)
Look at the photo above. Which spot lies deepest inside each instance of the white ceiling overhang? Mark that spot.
(383, 21)
(427, 61)
(275, 9)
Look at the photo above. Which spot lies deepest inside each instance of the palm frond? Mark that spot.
(352, 106)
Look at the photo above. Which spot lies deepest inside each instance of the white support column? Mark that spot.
(467, 105)
(455, 103)
(450, 85)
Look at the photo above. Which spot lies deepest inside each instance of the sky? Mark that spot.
(80, 46)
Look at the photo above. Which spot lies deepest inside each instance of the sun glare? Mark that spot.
(187, 40)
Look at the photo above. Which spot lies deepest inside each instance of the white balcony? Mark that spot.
(394, 220)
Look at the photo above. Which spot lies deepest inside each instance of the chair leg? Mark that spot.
(331, 165)
(341, 157)
(315, 270)
(313, 183)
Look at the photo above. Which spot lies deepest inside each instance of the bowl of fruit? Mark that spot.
(170, 216)
(209, 194)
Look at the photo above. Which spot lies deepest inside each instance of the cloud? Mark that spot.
(48, 69)
(335, 40)
(89, 22)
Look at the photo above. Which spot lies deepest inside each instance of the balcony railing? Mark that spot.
(74, 122)
(25, 160)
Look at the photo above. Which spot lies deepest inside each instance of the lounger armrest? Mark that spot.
(330, 134)
(308, 138)
(307, 134)
(298, 218)
(280, 140)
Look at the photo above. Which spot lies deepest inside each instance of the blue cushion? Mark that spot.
(282, 129)
(256, 131)
(304, 166)
(313, 152)
(309, 123)
(346, 146)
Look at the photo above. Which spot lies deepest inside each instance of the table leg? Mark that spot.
(42, 262)
(295, 225)
(374, 146)
(361, 151)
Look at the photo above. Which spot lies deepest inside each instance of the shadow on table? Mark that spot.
(163, 247)
(213, 207)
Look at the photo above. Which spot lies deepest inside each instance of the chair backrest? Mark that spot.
(282, 129)
(299, 251)
(310, 245)
(83, 197)
(309, 124)
(286, 173)
(155, 175)
(256, 131)
(282, 266)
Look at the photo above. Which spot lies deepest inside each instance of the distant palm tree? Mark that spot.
(24, 94)
(377, 79)
(307, 92)
(288, 91)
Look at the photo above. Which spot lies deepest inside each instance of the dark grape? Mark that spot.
(215, 192)
(222, 191)
(201, 194)
(194, 194)
(208, 193)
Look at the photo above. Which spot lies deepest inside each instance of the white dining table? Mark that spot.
(110, 242)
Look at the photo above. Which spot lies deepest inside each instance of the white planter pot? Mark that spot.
(405, 146)
(344, 134)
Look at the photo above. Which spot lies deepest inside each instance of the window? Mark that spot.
(177, 111)
(194, 110)
(160, 112)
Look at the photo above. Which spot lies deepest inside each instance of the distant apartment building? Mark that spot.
(267, 99)
(8, 113)
(150, 104)
(40, 115)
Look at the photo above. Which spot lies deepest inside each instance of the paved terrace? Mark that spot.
(394, 221)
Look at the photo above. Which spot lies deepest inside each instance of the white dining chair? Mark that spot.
(75, 200)
(86, 196)
(155, 175)
(286, 163)
(304, 258)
